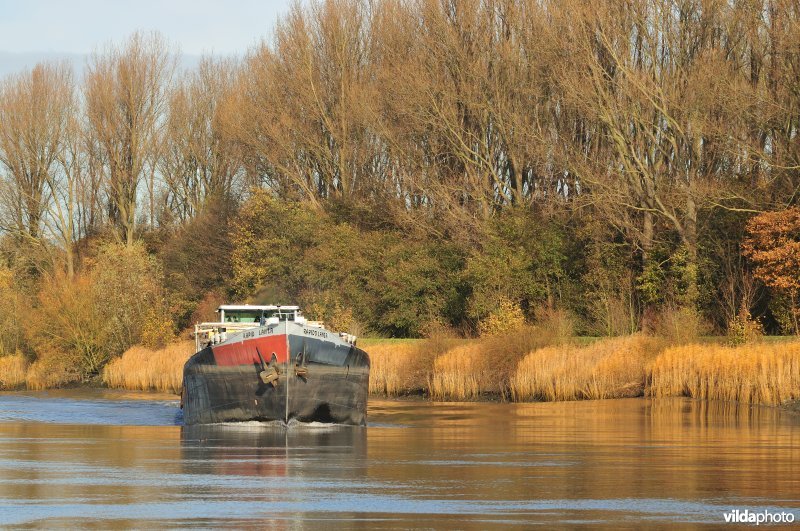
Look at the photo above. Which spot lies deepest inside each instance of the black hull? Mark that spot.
(320, 381)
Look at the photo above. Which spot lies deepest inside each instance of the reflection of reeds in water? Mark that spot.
(12, 371)
(140, 368)
(683, 413)
(752, 374)
(610, 368)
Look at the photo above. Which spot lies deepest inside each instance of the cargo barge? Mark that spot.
(268, 363)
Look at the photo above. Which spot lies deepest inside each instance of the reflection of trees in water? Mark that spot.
(691, 448)
(80, 461)
(729, 447)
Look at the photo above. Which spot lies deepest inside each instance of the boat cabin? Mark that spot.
(246, 313)
(237, 317)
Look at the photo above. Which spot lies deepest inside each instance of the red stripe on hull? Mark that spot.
(245, 353)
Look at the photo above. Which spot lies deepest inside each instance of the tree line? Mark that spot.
(402, 164)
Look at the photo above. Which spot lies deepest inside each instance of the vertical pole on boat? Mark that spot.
(288, 366)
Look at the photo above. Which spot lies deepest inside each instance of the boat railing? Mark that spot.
(216, 332)
(211, 333)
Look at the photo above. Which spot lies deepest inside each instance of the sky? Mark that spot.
(33, 30)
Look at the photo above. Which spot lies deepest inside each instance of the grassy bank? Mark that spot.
(765, 373)
(141, 368)
(525, 365)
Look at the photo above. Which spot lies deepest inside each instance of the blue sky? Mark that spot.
(35, 29)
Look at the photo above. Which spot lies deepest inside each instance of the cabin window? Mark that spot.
(285, 315)
(242, 316)
(254, 316)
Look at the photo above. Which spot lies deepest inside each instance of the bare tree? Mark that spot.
(35, 109)
(125, 95)
(199, 160)
(308, 101)
(66, 188)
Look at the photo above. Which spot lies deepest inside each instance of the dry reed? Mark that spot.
(488, 365)
(610, 368)
(52, 370)
(141, 368)
(459, 374)
(752, 374)
(12, 371)
(392, 366)
(403, 368)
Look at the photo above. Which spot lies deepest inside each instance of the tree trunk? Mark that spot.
(70, 259)
(690, 241)
(647, 236)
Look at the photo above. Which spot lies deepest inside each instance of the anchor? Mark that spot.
(300, 369)
(269, 371)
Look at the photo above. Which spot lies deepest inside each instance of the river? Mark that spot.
(117, 460)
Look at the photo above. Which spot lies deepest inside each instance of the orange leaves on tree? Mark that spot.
(773, 244)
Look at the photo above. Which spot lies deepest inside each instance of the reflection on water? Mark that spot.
(274, 451)
(111, 460)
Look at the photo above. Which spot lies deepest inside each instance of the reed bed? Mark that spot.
(521, 366)
(141, 368)
(405, 367)
(460, 374)
(51, 371)
(391, 368)
(13, 369)
(610, 368)
(763, 373)
(487, 365)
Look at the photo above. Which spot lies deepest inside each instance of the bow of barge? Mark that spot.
(267, 363)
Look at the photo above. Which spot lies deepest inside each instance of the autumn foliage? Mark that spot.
(398, 168)
(773, 244)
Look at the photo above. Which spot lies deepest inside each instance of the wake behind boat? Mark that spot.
(269, 363)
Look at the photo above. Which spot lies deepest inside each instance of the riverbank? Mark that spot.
(138, 369)
(763, 373)
(519, 367)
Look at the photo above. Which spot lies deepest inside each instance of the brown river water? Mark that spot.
(109, 459)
